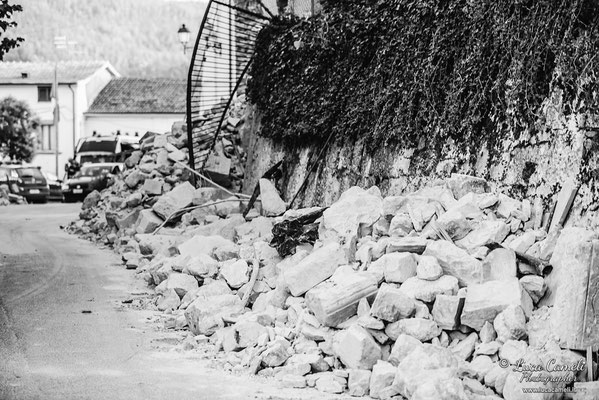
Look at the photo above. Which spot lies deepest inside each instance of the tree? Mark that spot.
(6, 12)
(17, 124)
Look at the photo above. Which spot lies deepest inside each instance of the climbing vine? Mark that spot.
(408, 71)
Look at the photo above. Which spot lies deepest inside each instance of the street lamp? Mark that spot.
(184, 34)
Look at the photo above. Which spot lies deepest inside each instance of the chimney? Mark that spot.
(24, 75)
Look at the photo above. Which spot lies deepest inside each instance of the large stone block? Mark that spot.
(336, 300)
(205, 314)
(392, 304)
(484, 301)
(199, 244)
(427, 291)
(148, 221)
(456, 262)
(354, 208)
(271, 202)
(447, 311)
(180, 197)
(356, 348)
(315, 268)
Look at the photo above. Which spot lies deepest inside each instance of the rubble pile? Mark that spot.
(436, 294)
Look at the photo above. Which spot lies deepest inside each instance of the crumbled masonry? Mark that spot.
(404, 296)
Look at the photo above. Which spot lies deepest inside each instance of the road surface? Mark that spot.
(64, 333)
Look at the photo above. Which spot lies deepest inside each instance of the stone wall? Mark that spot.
(534, 165)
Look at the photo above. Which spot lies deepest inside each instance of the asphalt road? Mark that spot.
(51, 349)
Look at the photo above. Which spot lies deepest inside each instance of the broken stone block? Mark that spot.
(428, 268)
(134, 178)
(510, 324)
(484, 301)
(455, 224)
(235, 272)
(383, 374)
(330, 384)
(487, 333)
(168, 300)
(506, 206)
(419, 328)
(456, 262)
(292, 381)
(202, 266)
(202, 245)
(398, 266)
(404, 345)
(358, 382)
(406, 245)
(248, 333)
(427, 291)
(152, 187)
(535, 286)
(447, 311)
(205, 314)
(356, 207)
(356, 348)
(572, 255)
(180, 283)
(272, 204)
(313, 269)
(428, 367)
(500, 264)
(276, 353)
(334, 301)
(486, 233)
(127, 220)
(148, 221)
(180, 197)
(464, 349)
(400, 225)
(523, 242)
(392, 304)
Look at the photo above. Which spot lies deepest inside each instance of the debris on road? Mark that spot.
(422, 295)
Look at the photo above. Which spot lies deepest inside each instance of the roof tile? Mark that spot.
(133, 96)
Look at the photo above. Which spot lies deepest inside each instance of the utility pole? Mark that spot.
(60, 42)
(56, 117)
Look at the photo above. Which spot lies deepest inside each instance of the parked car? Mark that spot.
(89, 178)
(55, 186)
(25, 180)
(104, 149)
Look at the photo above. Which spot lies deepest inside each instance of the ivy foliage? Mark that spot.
(403, 71)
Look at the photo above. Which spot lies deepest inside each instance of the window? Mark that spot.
(44, 93)
(44, 138)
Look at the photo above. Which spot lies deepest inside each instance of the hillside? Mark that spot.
(139, 37)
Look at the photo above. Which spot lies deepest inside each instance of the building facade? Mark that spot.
(79, 83)
(130, 106)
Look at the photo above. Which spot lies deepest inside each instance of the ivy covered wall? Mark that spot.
(413, 89)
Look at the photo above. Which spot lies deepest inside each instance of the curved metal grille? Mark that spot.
(221, 56)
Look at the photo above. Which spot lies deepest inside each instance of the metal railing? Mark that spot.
(221, 57)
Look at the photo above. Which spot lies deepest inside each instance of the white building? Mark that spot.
(130, 106)
(78, 85)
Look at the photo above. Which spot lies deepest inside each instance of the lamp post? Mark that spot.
(184, 35)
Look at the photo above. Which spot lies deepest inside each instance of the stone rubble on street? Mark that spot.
(381, 305)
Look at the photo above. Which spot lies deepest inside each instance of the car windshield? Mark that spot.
(29, 173)
(98, 145)
(93, 171)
